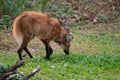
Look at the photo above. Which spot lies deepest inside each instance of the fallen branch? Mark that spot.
(32, 73)
(13, 71)
(17, 65)
(6, 75)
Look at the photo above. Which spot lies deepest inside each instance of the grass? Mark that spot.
(77, 66)
(97, 42)
(94, 56)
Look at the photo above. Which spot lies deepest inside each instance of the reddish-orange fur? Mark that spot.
(31, 23)
(38, 24)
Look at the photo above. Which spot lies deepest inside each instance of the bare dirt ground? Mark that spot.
(9, 44)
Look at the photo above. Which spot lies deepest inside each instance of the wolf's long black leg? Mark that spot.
(49, 50)
(27, 51)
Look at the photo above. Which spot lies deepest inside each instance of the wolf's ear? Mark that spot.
(69, 36)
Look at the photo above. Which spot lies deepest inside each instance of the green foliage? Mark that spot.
(10, 9)
(1, 5)
(59, 9)
(102, 18)
(3, 68)
(15, 7)
(5, 22)
(43, 5)
(116, 14)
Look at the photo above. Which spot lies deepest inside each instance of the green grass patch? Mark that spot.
(76, 66)
(97, 42)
